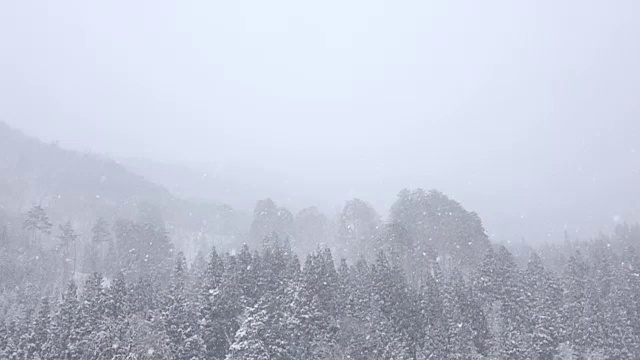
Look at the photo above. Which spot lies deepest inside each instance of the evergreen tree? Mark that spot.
(458, 334)
(4, 237)
(440, 224)
(37, 222)
(97, 251)
(515, 338)
(218, 308)
(358, 228)
(40, 342)
(543, 300)
(247, 277)
(268, 329)
(269, 219)
(312, 229)
(356, 290)
(144, 248)
(316, 307)
(66, 250)
(574, 303)
(432, 312)
(266, 305)
(68, 322)
(16, 344)
(179, 318)
(95, 338)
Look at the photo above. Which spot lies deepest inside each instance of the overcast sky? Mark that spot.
(519, 109)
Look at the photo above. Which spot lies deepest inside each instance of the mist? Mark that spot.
(319, 180)
(524, 118)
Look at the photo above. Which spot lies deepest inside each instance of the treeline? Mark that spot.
(421, 226)
(423, 284)
(266, 305)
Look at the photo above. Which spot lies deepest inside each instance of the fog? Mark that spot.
(404, 180)
(526, 112)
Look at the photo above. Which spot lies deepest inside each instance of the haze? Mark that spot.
(526, 112)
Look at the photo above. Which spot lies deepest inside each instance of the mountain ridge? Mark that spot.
(85, 186)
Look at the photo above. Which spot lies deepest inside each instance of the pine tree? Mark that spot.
(268, 329)
(39, 342)
(573, 304)
(212, 309)
(15, 346)
(4, 237)
(37, 223)
(100, 232)
(611, 330)
(66, 250)
(117, 311)
(432, 311)
(97, 249)
(459, 341)
(68, 326)
(515, 338)
(144, 247)
(250, 342)
(94, 335)
(312, 229)
(543, 300)
(316, 307)
(357, 308)
(230, 308)
(247, 277)
(440, 224)
(358, 228)
(5, 340)
(179, 318)
(197, 272)
(630, 268)
(269, 219)
(474, 315)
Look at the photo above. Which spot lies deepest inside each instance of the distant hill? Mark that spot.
(224, 184)
(239, 186)
(84, 186)
(35, 172)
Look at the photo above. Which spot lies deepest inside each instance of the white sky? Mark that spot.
(520, 109)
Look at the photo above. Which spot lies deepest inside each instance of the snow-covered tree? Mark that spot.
(38, 223)
(270, 219)
(179, 317)
(358, 229)
(66, 250)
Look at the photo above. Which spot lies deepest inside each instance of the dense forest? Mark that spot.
(320, 180)
(425, 283)
(97, 262)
